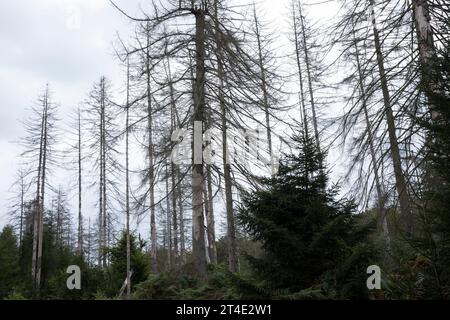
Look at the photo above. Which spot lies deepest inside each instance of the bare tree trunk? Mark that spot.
(22, 203)
(401, 186)
(37, 206)
(105, 216)
(181, 217)
(151, 162)
(263, 85)
(198, 228)
(209, 205)
(41, 211)
(174, 216)
(89, 242)
(100, 206)
(233, 262)
(100, 215)
(127, 182)
(36, 214)
(102, 182)
(210, 221)
(424, 32)
(308, 72)
(382, 212)
(168, 219)
(80, 216)
(172, 167)
(423, 28)
(300, 73)
(58, 219)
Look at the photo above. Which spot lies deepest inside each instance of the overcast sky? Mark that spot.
(66, 43)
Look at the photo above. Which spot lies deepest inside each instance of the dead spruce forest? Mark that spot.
(227, 166)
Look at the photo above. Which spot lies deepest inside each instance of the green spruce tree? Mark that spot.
(313, 246)
(9, 261)
(117, 270)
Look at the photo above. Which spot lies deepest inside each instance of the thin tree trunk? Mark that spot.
(233, 262)
(127, 182)
(153, 238)
(174, 216)
(382, 212)
(168, 219)
(181, 217)
(36, 205)
(401, 186)
(172, 167)
(105, 216)
(263, 85)
(41, 211)
(22, 203)
(80, 216)
(308, 72)
(89, 242)
(300, 74)
(58, 220)
(101, 200)
(210, 221)
(100, 214)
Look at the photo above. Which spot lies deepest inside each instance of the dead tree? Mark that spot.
(20, 188)
(39, 153)
(80, 215)
(401, 184)
(231, 230)
(127, 181)
(199, 37)
(102, 142)
(298, 54)
(264, 86)
(306, 51)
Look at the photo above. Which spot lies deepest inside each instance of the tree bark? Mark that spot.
(424, 33)
(198, 228)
